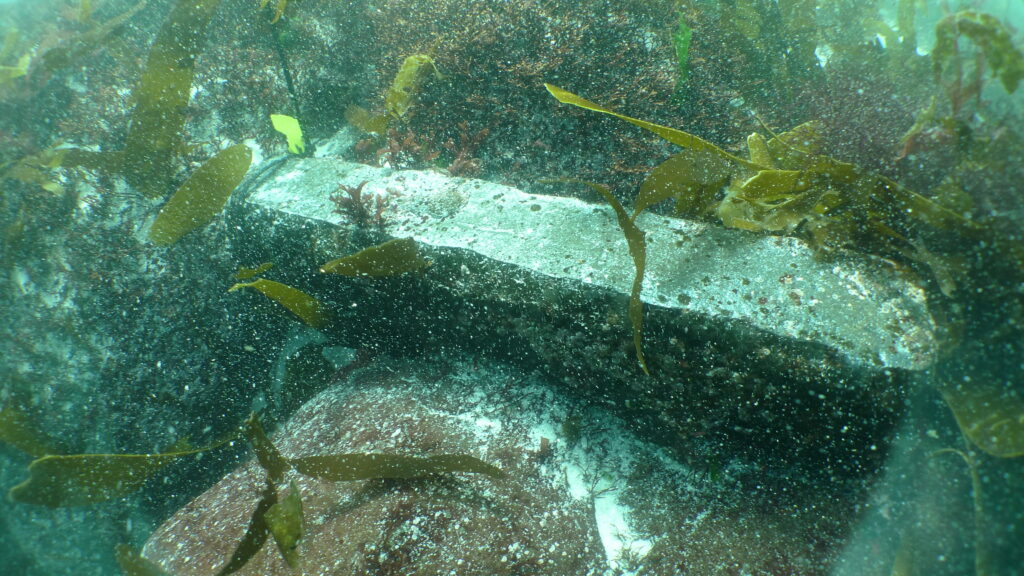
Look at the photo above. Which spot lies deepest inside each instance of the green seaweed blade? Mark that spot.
(161, 98)
(289, 127)
(202, 196)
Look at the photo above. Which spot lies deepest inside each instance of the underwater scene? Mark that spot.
(512, 287)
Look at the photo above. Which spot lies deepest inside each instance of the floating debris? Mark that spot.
(289, 126)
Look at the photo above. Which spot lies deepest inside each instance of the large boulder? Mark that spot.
(582, 495)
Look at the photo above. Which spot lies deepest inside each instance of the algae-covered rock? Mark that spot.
(465, 524)
(586, 498)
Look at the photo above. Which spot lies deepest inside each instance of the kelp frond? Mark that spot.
(302, 305)
(198, 201)
(278, 9)
(161, 97)
(785, 186)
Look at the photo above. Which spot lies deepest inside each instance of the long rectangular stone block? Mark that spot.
(737, 324)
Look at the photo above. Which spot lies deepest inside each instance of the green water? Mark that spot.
(600, 287)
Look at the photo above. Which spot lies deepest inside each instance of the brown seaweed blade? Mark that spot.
(992, 418)
(362, 119)
(161, 98)
(255, 535)
(247, 273)
(17, 430)
(285, 521)
(268, 517)
(677, 137)
(202, 196)
(268, 455)
(926, 210)
(991, 36)
(133, 564)
(279, 6)
(83, 479)
(692, 177)
(407, 84)
(72, 52)
(391, 258)
(791, 150)
(636, 240)
(307, 308)
(348, 467)
(794, 151)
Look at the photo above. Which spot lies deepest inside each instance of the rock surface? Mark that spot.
(457, 524)
(588, 498)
